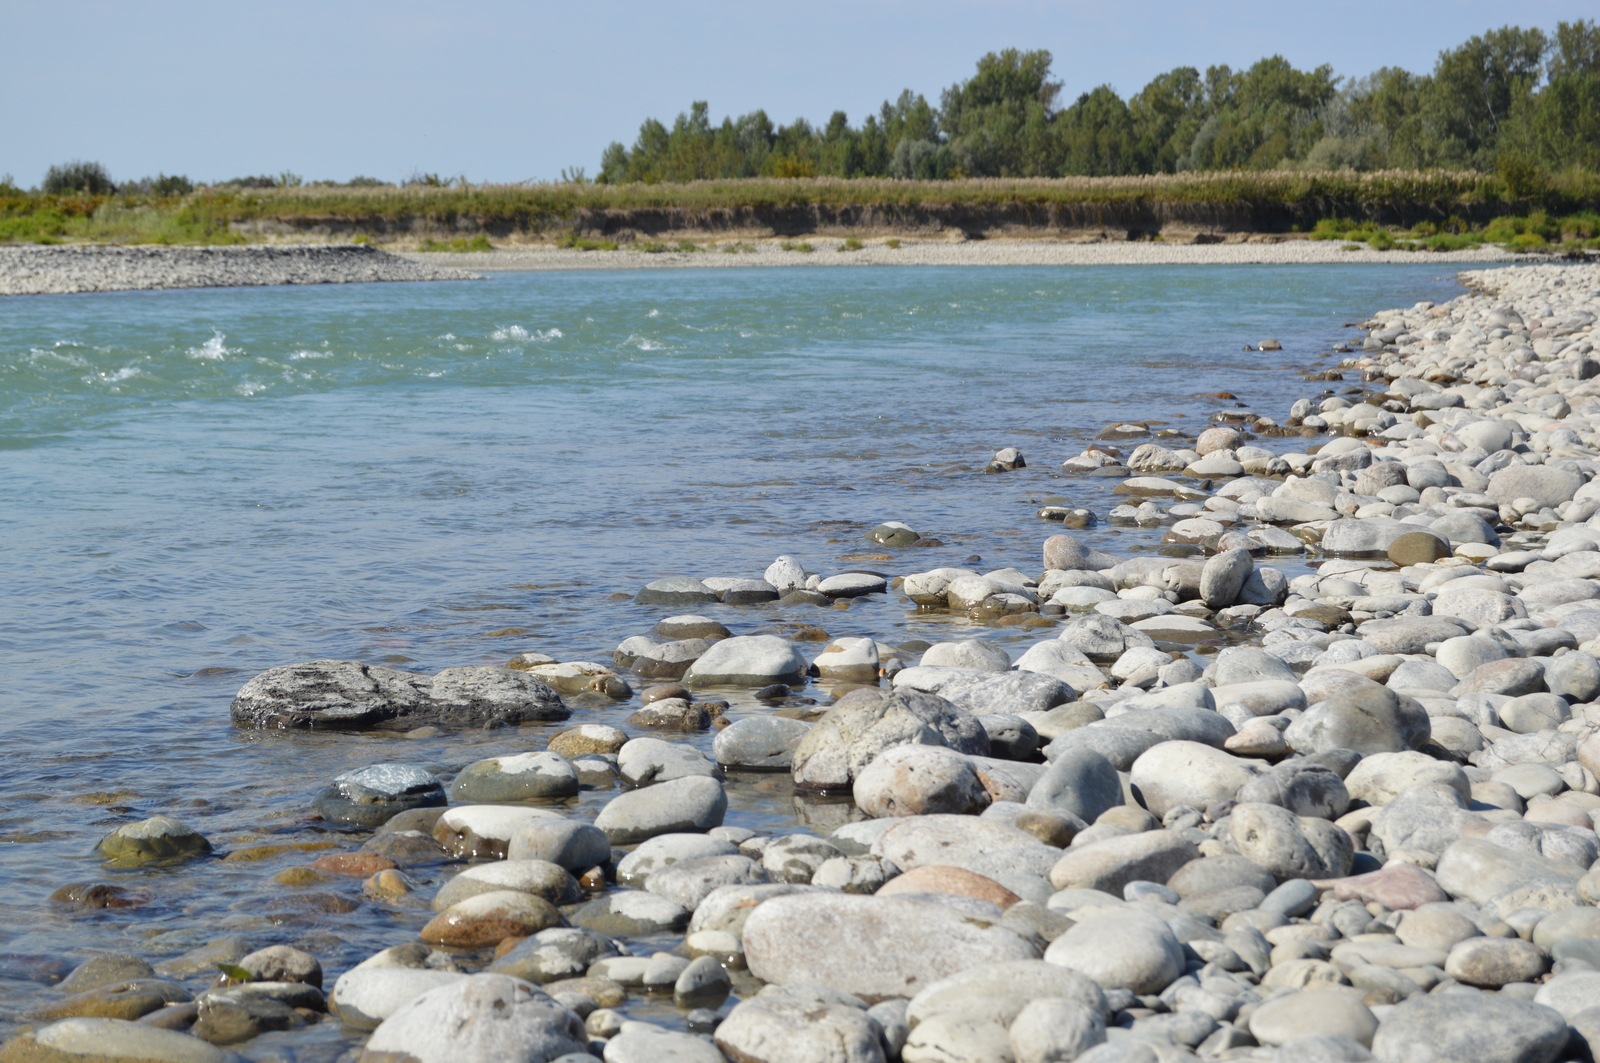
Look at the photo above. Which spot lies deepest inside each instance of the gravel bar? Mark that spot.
(60, 270)
(828, 251)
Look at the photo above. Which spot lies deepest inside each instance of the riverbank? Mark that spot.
(66, 269)
(1300, 767)
(822, 251)
(58, 270)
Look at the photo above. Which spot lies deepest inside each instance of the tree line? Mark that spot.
(1511, 98)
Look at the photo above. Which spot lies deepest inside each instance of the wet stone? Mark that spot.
(523, 777)
(367, 797)
(675, 591)
(159, 841)
(352, 696)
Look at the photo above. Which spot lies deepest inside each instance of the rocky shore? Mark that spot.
(60, 270)
(1215, 811)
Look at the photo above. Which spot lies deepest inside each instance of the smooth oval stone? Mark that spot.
(1123, 949)
(747, 661)
(675, 591)
(759, 743)
(159, 840)
(1485, 1028)
(364, 996)
(109, 1040)
(479, 1018)
(523, 777)
(1314, 1013)
(490, 918)
(631, 913)
(872, 946)
(794, 1024)
(538, 877)
(694, 803)
(371, 796)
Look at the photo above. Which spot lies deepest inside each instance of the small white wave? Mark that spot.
(448, 336)
(36, 355)
(653, 313)
(644, 343)
(552, 334)
(213, 350)
(511, 332)
(436, 375)
(300, 356)
(127, 372)
(250, 387)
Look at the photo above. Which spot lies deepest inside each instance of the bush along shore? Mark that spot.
(1435, 209)
(1216, 811)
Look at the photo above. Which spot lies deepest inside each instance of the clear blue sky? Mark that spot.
(506, 91)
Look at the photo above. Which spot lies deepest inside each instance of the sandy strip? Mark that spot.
(827, 252)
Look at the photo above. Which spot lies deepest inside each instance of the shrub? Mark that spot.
(579, 243)
(1331, 229)
(850, 244)
(1380, 241)
(1452, 242)
(84, 178)
(1582, 226)
(803, 247)
(893, 245)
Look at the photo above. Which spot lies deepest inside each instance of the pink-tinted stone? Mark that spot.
(1398, 887)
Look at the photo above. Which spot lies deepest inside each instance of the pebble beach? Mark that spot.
(62, 270)
(1315, 781)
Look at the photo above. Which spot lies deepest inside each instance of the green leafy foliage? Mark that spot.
(1511, 91)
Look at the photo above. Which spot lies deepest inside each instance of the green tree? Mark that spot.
(1166, 114)
(1097, 136)
(999, 120)
(1474, 89)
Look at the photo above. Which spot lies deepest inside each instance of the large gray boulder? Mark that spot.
(874, 946)
(1079, 781)
(479, 1019)
(1545, 484)
(866, 722)
(1366, 718)
(988, 693)
(333, 695)
(1482, 1027)
(747, 661)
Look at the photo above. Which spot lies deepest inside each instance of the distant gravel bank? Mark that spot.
(33, 270)
(827, 252)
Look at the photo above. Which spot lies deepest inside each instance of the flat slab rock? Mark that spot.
(333, 695)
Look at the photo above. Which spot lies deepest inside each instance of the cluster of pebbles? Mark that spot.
(64, 269)
(1215, 812)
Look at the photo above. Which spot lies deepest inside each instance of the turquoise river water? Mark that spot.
(196, 485)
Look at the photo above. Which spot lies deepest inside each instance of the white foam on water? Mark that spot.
(654, 313)
(299, 356)
(127, 372)
(643, 343)
(37, 354)
(250, 387)
(511, 332)
(213, 350)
